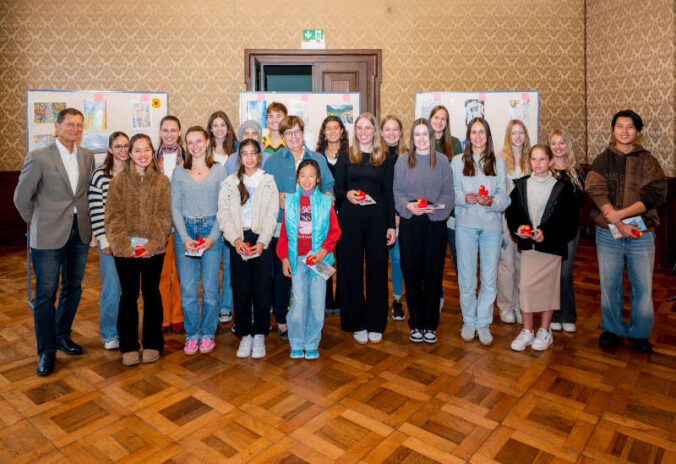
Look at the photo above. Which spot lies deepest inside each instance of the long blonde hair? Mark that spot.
(572, 167)
(378, 155)
(508, 155)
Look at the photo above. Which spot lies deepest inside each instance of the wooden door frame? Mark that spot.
(372, 57)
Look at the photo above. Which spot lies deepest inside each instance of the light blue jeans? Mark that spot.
(306, 318)
(395, 270)
(477, 312)
(639, 256)
(109, 298)
(226, 288)
(190, 270)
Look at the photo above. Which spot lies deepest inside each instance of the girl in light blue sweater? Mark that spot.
(480, 184)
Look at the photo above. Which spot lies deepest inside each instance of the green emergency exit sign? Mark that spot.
(313, 38)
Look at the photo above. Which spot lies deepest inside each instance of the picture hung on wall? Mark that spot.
(94, 115)
(95, 141)
(344, 112)
(42, 140)
(255, 110)
(46, 112)
(299, 108)
(520, 109)
(474, 109)
(140, 116)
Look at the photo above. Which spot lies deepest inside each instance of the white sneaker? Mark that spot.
(114, 343)
(507, 316)
(543, 340)
(468, 333)
(430, 336)
(485, 336)
(375, 337)
(258, 350)
(524, 339)
(556, 326)
(517, 313)
(361, 337)
(244, 350)
(568, 327)
(225, 316)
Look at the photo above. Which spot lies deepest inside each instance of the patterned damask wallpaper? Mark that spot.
(194, 50)
(630, 64)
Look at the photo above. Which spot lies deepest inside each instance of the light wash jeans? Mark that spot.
(226, 288)
(109, 298)
(190, 270)
(306, 318)
(477, 312)
(395, 270)
(639, 256)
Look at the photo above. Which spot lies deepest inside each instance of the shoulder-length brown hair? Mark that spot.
(107, 165)
(172, 118)
(230, 138)
(446, 138)
(243, 192)
(135, 138)
(322, 143)
(487, 159)
(378, 155)
(411, 155)
(208, 159)
(401, 146)
(508, 155)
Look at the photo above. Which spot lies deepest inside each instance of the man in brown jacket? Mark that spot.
(627, 185)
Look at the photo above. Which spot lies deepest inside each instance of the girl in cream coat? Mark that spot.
(248, 204)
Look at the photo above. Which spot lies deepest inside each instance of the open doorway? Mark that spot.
(317, 71)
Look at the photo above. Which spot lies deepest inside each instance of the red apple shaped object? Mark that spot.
(422, 203)
(482, 191)
(200, 241)
(361, 195)
(310, 260)
(637, 233)
(527, 230)
(139, 251)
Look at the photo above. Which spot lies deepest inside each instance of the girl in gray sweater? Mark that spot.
(423, 196)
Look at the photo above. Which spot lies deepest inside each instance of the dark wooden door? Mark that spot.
(332, 71)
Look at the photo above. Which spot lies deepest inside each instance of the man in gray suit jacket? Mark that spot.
(51, 197)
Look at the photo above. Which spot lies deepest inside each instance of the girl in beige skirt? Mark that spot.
(540, 218)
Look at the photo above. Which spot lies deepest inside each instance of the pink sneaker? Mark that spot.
(190, 347)
(207, 345)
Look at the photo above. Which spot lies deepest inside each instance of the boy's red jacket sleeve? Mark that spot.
(334, 233)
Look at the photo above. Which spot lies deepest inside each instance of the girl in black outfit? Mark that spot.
(332, 142)
(367, 231)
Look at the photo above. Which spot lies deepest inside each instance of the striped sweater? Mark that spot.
(98, 193)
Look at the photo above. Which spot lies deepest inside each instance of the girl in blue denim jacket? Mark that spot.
(309, 233)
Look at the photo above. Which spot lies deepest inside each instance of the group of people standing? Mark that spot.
(265, 212)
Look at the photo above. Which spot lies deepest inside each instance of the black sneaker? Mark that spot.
(609, 340)
(642, 345)
(284, 335)
(398, 311)
(416, 336)
(430, 336)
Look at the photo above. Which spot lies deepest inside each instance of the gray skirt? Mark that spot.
(540, 283)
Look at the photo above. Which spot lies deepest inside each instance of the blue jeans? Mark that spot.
(477, 312)
(226, 288)
(190, 270)
(306, 318)
(639, 256)
(69, 262)
(395, 266)
(109, 298)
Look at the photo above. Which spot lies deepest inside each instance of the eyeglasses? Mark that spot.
(120, 147)
(292, 133)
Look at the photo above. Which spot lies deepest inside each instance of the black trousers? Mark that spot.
(362, 252)
(250, 282)
(143, 273)
(281, 285)
(422, 245)
(332, 300)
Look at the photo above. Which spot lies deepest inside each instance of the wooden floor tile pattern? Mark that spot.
(394, 402)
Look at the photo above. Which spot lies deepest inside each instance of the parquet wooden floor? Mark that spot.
(394, 402)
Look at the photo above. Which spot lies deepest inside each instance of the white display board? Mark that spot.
(498, 107)
(311, 107)
(104, 111)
